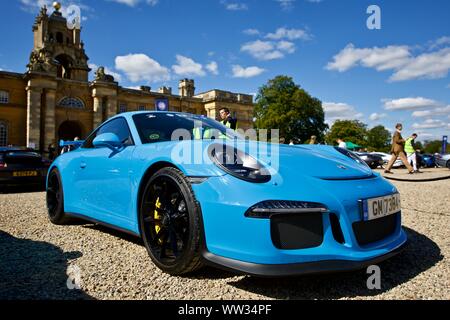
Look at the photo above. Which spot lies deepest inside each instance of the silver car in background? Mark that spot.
(443, 160)
(386, 157)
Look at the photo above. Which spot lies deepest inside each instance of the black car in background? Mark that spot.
(372, 160)
(22, 167)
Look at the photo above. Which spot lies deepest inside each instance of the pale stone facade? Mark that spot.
(55, 100)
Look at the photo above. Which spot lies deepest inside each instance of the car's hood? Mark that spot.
(323, 162)
(317, 161)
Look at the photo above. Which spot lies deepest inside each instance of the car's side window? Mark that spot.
(117, 126)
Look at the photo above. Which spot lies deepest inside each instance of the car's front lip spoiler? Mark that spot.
(295, 269)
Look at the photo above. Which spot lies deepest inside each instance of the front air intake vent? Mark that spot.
(297, 231)
(268, 208)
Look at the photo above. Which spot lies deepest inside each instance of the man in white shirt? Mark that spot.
(341, 143)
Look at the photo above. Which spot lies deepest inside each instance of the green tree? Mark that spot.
(282, 104)
(379, 138)
(418, 145)
(349, 130)
(434, 146)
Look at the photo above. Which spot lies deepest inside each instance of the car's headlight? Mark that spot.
(351, 155)
(238, 163)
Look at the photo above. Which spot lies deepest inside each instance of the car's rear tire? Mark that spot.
(55, 199)
(448, 164)
(171, 222)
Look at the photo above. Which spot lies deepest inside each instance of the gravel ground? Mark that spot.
(36, 256)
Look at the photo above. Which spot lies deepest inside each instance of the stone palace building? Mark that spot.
(55, 100)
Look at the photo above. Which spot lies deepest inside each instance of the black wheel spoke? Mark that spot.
(174, 242)
(159, 237)
(150, 219)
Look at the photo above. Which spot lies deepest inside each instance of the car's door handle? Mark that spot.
(83, 165)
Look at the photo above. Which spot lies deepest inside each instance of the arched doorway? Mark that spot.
(69, 130)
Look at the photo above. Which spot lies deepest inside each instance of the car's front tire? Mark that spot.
(171, 222)
(55, 199)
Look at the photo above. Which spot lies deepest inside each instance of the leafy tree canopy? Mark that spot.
(379, 138)
(349, 130)
(282, 104)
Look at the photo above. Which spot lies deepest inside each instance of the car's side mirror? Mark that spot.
(108, 140)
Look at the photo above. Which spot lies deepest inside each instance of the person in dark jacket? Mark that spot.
(227, 119)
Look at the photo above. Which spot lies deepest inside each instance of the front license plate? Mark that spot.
(25, 174)
(381, 207)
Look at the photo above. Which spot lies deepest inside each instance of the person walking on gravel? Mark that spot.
(398, 150)
(411, 151)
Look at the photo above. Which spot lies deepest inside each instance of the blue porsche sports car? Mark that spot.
(198, 194)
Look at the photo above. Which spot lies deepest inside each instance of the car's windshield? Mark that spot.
(159, 127)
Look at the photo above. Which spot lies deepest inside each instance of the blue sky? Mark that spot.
(399, 73)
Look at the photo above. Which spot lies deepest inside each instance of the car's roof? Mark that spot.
(130, 114)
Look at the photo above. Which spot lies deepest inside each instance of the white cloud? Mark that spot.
(340, 111)
(378, 58)
(262, 50)
(251, 32)
(290, 34)
(442, 41)
(213, 67)
(433, 112)
(286, 46)
(377, 116)
(117, 76)
(249, 72)
(430, 124)
(409, 103)
(140, 67)
(33, 6)
(268, 50)
(133, 3)
(429, 65)
(187, 67)
(432, 65)
(234, 6)
(286, 4)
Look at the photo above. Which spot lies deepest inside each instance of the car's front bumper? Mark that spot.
(295, 269)
(231, 236)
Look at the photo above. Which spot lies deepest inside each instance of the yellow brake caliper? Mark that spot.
(157, 218)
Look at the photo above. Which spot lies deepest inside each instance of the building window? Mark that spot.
(3, 134)
(141, 108)
(74, 103)
(59, 37)
(122, 108)
(4, 97)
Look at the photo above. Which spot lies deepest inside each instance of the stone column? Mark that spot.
(50, 118)
(111, 106)
(98, 111)
(34, 96)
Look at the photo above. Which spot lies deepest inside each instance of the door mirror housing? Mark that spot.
(108, 140)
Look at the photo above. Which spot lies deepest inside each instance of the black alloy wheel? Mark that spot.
(55, 199)
(170, 222)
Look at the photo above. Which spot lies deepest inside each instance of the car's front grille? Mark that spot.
(367, 232)
(297, 231)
